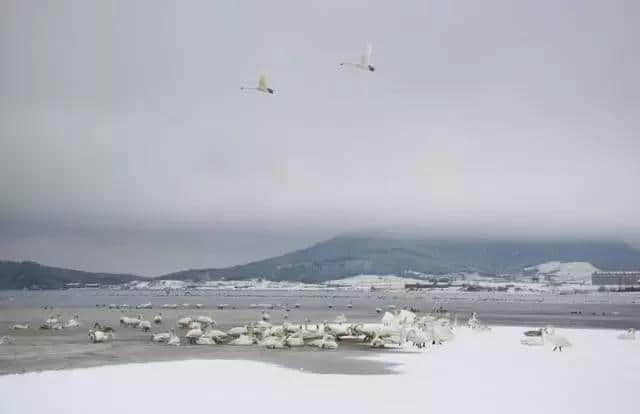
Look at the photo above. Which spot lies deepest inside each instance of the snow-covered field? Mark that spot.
(479, 372)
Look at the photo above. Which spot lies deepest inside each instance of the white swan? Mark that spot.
(206, 320)
(204, 340)
(294, 340)
(365, 60)
(338, 329)
(418, 337)
(273, 331)
(243, 340)
(158, 319)
(629, 334)
(193, 335)
(558, 341)
(53, 320)
(237, 331)
(145, 326)
(96, 336)
(387, 319)
(405, 317)
(6, 340)
(263, 325)
(274, 342)
(161, 337)
(73, 322)
(174, 340)
(263, 86)
(290, 328)
(326, 342)
(184, 322)
(382, 342)
(310, 333)
(216, 335)
(195, 325)
(130, 322)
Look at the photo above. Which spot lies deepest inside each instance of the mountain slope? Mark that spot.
(19, 275)
(351, 255)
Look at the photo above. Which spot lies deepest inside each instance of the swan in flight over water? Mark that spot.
(365, 61)
(263, 85)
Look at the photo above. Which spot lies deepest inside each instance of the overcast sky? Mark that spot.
(128, 146)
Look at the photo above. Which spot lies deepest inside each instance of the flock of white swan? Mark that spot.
(364, 64)
(396, 329)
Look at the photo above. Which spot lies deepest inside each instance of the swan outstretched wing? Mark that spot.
(262, 82)
(366, 55)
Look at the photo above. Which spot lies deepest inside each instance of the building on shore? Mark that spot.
(615, 278)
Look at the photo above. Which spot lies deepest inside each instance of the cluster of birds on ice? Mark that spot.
(396, 329)
(149, 305)
(364, 64)
(55, 322)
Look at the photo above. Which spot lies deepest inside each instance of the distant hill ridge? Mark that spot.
(19, 275)
(351, 255)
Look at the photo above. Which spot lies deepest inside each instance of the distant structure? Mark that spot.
(433, 283)
(615, 278)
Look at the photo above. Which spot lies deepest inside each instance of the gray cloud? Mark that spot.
(483, 118)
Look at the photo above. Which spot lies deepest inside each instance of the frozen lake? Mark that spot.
(597, 310)
(35, 349)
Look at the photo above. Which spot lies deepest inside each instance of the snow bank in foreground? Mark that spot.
(486, 372)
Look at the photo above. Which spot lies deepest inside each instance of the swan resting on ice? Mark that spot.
(6, 340)
(205, 340)
(184, 322)
(73, 322)
(193, 335)
(628, 334)
(558, 341)
(145, 326)
(174, 340)
(326, 342)
(244, 340)
(99, 336)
